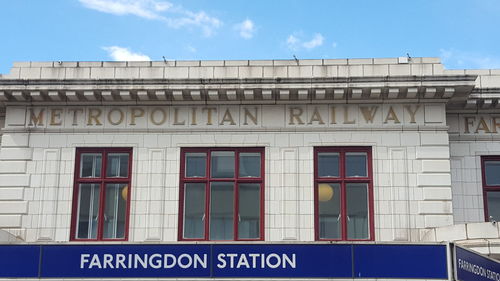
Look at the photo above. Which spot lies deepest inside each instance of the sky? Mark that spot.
(463, 33)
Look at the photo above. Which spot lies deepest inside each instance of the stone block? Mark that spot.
(176, 73)
(78, 73)
(139, 64)
(432, 152)
(385, 61)
(435, 193)
(10, 221)
(12, 167)
(434, 114)
(435, 166)
(187, 63)
(433, 138)
(15, 140)
(437, 220)
(13, 180)
(53, 73)
(482, 230)
(433, 180)
(11, 193)
(434, 207)
(375, 70)
(16, 153)
(275, 71)
(30, 73)
(451, 233)
(13, 207)
(250, 72)
(127, 73)
(151, 72)
(102, 73)
(399, 70)
(226, 72)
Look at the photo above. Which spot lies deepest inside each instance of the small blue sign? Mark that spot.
(19, 261)
(470, 266)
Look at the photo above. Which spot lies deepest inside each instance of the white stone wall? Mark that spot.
(412, 186)
(467, 145)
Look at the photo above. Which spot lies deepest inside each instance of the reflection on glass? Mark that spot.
(196, 164)
(493, 205)
(492, 172)
(221, 211)
(222, 164)
(117, 165)
(249, 165)
(88, 211)
(115, 211)
(357, 210)
(194, 210)
(90, 165)
(356, 164)
(249, 211)
(328, 164)
(329, 211)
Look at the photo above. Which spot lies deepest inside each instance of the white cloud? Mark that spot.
(453, 58)
(246, 28)
(124, 54)
(191, 49)
(174, 16)
(315, 42)
(294, 42)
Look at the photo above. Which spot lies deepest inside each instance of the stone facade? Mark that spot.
(425, 125)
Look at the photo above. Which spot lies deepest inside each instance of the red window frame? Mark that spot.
(101, 181)
(343, 180)
(208, 179)
(487, 188)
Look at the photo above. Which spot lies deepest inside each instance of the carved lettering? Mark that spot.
(177, 122)
(346, 116)
(136, 113)
(209, 111)
(295, 113)
(121, 116)
(36, 120)
(368, 113)
(75, 115)
(252, 117)
(391, 115)
(482, 126)
(227, 118)
(412, 112)
(333, 119)
(193, 116)
(93, 118)
(153, 115)
(316, 117)
(469, 121)
(55, 117)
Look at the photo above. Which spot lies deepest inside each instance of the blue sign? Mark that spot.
(19, 261)
(472, 266)
(397, 261)
(224, 261)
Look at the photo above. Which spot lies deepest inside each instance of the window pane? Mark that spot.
(249, 211)
(357, 211)
(492, 172)
(115, 210)
(222, 164)
(194, 210)
(221, 211)
(117, 165)
(250, 165)
(356, 164)
(90, 165)
(328, 164)
(196, 164)
(329, 211)
(493, 205)
(88, 211)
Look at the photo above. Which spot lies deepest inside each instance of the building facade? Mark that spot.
(353, 152)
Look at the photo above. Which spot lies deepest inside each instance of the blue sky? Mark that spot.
(465, 34)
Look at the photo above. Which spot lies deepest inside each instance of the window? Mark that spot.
(221, 194)
(343, 193)
(101, 194)
(491, 187)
